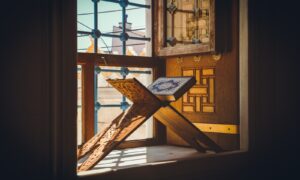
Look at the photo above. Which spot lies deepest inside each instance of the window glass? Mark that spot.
(110, 23)
(187, 22)
(79, 105)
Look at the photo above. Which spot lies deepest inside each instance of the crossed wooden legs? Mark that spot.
(145, 105)
(103, 143)
(180, 125)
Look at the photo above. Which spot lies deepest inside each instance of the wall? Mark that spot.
(273, 53)
(36, 88)
(225, 77)
(25, 92)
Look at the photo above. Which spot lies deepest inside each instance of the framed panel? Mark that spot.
(191, 27)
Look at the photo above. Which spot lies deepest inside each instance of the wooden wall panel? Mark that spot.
(224, 93)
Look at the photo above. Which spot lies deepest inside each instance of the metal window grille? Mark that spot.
(96, 34)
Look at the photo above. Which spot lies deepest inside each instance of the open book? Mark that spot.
(171, 88)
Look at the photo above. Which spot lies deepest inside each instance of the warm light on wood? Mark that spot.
(185, 97)
(145, 104)
(198, 104)
(188, 109)
(204, 91)
(204, 99)
(198, 77)
(218, 128)
(188, 73)
(207, 72)
(209, 109)
(198, 90)
(211, 90)
(191, 99)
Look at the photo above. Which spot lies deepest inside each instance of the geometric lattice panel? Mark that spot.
(201, 97)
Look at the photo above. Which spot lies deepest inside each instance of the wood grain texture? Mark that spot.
(145, 104)
(171, 118)
(117, 133)
(89, 145)
(89, 61)
(88, 101)
(134, 91)
(118, 60)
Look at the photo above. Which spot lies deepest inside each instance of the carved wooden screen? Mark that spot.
(200, 98)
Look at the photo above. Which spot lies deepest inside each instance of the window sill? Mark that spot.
(159, 161)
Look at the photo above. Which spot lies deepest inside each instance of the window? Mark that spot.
(110, 19)
(100, 30)
(99, 99)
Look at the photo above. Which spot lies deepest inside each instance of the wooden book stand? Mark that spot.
(145, 104)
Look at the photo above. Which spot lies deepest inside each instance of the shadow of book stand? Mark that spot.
(153, 100)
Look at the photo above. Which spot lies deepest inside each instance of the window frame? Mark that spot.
(63, 107)
(88, 61)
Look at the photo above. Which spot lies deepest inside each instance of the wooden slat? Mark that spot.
(118, 60)
(89, 145)
(218, 128)
(145, 105)
(88, 61)
(117, 133)
(170, 117)
(134, 91)
(88, 101)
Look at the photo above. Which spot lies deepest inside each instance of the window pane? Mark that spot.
(110, 22)
(185, 25)
(79, 105)
(84, 23)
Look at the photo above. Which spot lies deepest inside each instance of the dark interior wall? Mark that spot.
(273, 53)
(25, 125)
(37, 88)
(26, 116)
